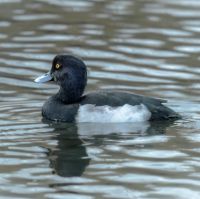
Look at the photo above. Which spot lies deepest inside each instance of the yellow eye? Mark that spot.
(57, 66)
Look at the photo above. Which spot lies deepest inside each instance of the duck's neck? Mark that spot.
(68, 96)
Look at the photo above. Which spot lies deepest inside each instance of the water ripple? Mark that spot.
(148, 47)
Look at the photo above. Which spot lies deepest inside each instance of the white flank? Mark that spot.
(107, 114)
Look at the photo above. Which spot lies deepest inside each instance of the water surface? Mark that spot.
(149, 47)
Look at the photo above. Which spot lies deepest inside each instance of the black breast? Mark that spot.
(54, 109)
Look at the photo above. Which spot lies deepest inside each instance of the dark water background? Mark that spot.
(150, 47)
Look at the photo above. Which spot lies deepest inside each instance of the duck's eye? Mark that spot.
(57, 66)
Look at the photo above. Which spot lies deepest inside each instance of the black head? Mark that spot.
(67, 69)
(70, 73)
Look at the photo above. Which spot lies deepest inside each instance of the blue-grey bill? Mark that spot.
(44, 78)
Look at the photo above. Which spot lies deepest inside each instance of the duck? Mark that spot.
(72, 104)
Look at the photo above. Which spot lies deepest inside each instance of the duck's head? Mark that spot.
(70, 73)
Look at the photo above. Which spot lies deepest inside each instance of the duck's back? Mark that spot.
(54, 109)
(117, 98)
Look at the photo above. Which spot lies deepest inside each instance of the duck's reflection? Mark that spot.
(70, 157)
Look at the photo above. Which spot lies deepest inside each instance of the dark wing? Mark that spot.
(117, 98)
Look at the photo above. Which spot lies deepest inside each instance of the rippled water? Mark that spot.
(150, 47)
